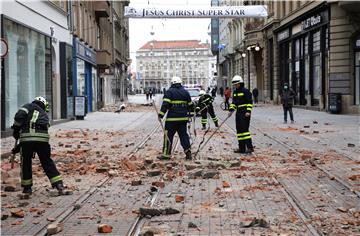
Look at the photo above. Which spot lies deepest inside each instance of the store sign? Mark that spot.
(283, 35)
(310, 22)
(201, 12)
(3, 48)
(79, 109)
(85, 53)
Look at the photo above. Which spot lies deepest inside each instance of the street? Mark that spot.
(303, 179)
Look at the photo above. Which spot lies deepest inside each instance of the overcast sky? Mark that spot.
(166, 29)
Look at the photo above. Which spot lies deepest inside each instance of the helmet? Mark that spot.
(202, 92)
(237, 79)
(176, 80)
(44, 102)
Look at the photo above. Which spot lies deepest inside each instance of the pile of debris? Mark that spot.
(129, 107)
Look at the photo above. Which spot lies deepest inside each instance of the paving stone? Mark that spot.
(54, 228)
(209, 174)
(153, 173)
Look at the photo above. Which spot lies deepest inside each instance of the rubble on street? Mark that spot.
(298, 181)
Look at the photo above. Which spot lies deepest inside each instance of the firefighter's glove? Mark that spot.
(160, 117)
(15, 149)
(16, 133)
(247, 114)
(197, 109)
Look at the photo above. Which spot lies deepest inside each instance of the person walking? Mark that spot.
(287, 100)
(221, 90)
(205, 106)
(30, 127)
(177, 104)
(147, 94)
(150, 93)
(255, 93)
(227, 97)
(242, 103)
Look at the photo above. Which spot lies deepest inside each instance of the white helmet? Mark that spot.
(237, 79)
(202, 92)
(176, 80)
(43, 101)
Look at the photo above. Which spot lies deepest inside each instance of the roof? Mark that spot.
(175, 44)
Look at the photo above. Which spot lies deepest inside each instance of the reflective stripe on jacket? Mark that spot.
(33, 123)
(177, 103)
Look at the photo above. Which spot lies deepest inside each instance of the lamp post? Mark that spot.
(243, 55)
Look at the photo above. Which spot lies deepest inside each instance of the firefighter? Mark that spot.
(177, 103)
(242, 103)
(31, 124)
(205, 106)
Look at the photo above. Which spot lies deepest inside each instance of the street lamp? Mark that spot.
(243, 55)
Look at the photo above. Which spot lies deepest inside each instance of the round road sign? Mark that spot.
(3, 48)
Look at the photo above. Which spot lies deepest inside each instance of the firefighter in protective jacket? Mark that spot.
(242, 103)
(205, 106)
(177, 103)
(31, 124)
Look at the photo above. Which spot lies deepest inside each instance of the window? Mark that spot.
(357, 72)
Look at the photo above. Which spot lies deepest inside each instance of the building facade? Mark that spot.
(312, 45)
(32, 66)
(158, 61)
(65, 50)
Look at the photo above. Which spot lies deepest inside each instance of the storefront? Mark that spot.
(357, 70)
(66, 81)
(26, 70)
(85, 74)
(303, 53)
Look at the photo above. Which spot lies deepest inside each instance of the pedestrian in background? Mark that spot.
(255, 93)
(31, 124)
(150, 93)
(242, 103)
(213, 92)
(221, 91)
(287, 100)
(227, 98)
(147, 94)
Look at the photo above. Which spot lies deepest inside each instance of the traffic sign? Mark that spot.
(3, 48)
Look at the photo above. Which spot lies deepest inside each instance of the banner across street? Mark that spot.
(197, 12)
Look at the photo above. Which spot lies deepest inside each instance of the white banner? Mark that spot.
(199, 12)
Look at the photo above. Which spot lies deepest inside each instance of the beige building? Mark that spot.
(312, 45)
(158, 61)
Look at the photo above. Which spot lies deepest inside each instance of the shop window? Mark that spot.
(80, 77)
(316, 41)
(316, 79)
(26, 74)
(357, 76)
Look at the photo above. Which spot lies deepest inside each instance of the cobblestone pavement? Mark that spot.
(302, 180)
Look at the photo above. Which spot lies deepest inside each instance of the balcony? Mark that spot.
(103, 57)
(350, 6)
(102, 9)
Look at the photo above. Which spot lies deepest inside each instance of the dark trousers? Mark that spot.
(227, 104)
(242, 129)
(286, 109)
(43, 150)
(171, 127)
(255, 99)
(210, 110)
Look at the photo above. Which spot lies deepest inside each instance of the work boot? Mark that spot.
(239, 151)
(203, 127)
(60, 188)
(188, 156)
(250, 150)
(27, 190)
(292, 122)
(216, 124)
